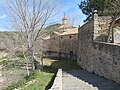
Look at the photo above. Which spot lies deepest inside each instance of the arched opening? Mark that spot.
(71, 54)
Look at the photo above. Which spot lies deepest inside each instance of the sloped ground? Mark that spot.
(83, 80)
(12, 76)
(8, 73)
(1, 78)
(8, 77)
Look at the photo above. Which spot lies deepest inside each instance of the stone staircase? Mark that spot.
(83, 80)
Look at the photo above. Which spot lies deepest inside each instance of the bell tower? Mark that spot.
(64, 19)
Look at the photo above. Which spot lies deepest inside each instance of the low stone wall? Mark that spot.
(57, 85)
(51, 54)
(68, 56)
(107, 58)
(60, 55)
(103, 59)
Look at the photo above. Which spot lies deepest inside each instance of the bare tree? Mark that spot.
(73, 20)
(29, 17)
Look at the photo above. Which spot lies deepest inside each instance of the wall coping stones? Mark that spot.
(115, 44)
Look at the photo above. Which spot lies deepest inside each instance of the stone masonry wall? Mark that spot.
(63, 46)
(98, 57)
(68, 46)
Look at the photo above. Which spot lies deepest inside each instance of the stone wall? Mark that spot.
(54, 40)
(68, 46)
(51, 46)
(95, 56)
(61, 46)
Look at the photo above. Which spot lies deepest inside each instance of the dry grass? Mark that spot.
(2, 54)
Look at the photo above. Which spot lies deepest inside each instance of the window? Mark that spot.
(61, 37)
(70, 36)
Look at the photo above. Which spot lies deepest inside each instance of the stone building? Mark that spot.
(94, 53)
(62, 43)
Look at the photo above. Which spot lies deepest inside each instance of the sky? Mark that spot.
(69, 7)
(72, 11)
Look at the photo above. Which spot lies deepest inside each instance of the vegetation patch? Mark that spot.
(43, 80)
(64, 64)
(38, 80)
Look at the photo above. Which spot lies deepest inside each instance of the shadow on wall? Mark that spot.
(60, 56)
(102, 38)
(99, 82)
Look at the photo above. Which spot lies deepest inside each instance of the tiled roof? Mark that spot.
(64, 29)
(64, 26)
(67, 32)
(46, 38)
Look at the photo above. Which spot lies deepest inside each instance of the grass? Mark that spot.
(42, 80)
(2, 54)
(36, 81)
(64, 64)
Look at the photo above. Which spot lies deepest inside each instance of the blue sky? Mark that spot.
(70, 7)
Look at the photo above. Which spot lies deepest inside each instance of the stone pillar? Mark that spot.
(96, 25)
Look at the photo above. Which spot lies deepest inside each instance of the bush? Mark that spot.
(19, 54)
(4, 63)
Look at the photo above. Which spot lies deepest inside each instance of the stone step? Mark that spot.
(82, 80)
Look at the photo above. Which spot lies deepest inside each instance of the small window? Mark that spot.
(61, 37)
(54, 37)
(70, 36)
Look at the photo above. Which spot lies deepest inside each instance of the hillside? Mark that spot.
(10, 39)
(50, 29)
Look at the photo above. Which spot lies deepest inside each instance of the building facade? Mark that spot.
(62, 43)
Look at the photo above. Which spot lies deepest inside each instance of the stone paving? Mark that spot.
(83, 80)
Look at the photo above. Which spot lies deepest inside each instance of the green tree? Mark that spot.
(112, 10)
(88, 7)
(104, 7)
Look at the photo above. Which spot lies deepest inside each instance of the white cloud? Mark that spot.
(3, 29)
(3, 16)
